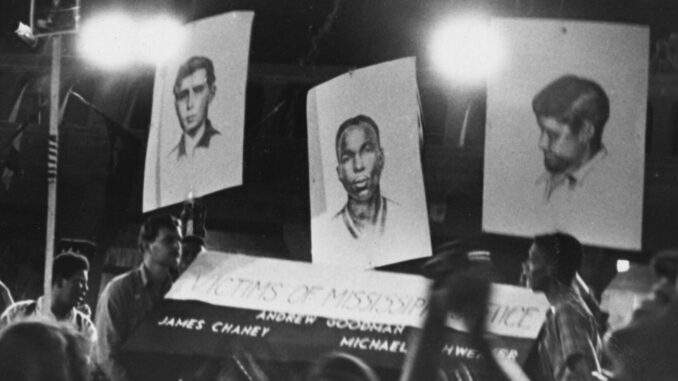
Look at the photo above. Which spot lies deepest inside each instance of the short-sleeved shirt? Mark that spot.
(27, 309)
(570, 332)
(123, 304)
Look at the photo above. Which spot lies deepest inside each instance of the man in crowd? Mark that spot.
(647, 348)
(42, 351)
(569, 345)
(128, 298)
(69, 287)
(194, 90)
(571, 113)
(360, 162)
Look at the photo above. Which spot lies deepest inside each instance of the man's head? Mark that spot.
(360, 157)
(571, 113)
(552, 257)
(42, 351)
(69, 279)
(160, 240)
(191, 246)
(664, 288)
(194, 90)
(665, 266)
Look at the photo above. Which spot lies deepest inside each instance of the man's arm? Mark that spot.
(580, 358)
(111, 326)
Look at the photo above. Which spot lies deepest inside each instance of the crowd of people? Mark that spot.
(58, 340)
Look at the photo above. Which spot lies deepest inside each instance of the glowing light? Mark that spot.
(466, 49)
(114, 40)
(107, 40)
(159, 39)
(623, 265)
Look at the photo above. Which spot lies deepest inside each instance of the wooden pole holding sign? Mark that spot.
(52, 157)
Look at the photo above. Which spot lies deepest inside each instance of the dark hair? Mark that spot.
(352, 122)
(193, 239)
(149, 230)
(42, 351)
(563, 253)
(192, 65)
(67, 264)
(665, 264)
(572, 100)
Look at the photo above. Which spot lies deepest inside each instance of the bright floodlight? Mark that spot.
(623, 265)
(159, 39)
(114, 40)
(466, 49)
(108, 40)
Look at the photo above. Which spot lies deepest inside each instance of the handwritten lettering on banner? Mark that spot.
(255, 283)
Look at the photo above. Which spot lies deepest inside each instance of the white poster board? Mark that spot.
(297, 288)
(195, 142)
(368, 206)
(526, 191)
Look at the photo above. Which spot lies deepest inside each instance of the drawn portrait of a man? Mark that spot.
(360, 161)
(565, 132)
(571, 113)
(194, 90)
(368, 207)
(196, 136)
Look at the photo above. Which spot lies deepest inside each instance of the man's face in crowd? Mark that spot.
(73, 290)
(191, 100)
(165, 250)
(536, 269)
(360, 161)
(562, 148)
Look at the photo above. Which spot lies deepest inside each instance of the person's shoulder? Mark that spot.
(572, 309)
(121, 283)
(19, 309)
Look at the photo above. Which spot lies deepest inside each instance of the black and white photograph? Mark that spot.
(333, 190)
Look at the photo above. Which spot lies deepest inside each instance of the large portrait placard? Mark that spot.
(195, 142)
(565, 133)
(368, 206)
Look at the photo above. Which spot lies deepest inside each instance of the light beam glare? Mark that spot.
(159, 39)
(466, 49)
(108, 40)
(115, 40)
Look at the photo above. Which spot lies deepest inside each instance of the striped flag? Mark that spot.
(12, 162)
(53, 143)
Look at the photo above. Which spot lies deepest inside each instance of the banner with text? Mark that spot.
(183, 330)
(265, 284)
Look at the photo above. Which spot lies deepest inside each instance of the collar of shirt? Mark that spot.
(146, 281)
(193, 142)
(182, 148)
(353, 228)
(49, 314)
(574, 178)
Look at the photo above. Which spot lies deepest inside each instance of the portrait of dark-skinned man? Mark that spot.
(194, 90)
(571, 113)
(360, 161)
